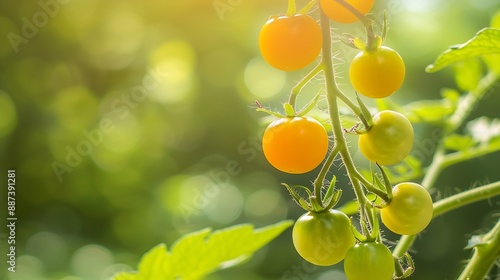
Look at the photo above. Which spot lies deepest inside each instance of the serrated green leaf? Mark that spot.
(199, 253)
(154, 264)
(493, 61)
(486, 41)
(495, 20)
(458, 142)
(429, 111)
(468, 73)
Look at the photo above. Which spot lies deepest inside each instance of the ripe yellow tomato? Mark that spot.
(377, 73)
(339, 13)
(410, 210)
(295, 145)
(290, 42)
(389, 140)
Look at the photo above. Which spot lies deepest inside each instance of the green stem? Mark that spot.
(318, 182)
(469, 103)
(457, 157)
(332, 92)
(354, 108)
(297, 88)
(485, 255)
(292, 8)
(371, 188)
(435, 168)
(449, 204)
(464, 198)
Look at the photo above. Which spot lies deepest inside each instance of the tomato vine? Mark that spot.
(383, 140)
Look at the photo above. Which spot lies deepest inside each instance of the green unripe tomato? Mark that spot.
(369, 261)
(323, 238)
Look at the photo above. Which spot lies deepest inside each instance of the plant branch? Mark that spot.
(298, 87)
(470, 102)
(332, 93)
(475, 152)
(318, 182)
(484, 257)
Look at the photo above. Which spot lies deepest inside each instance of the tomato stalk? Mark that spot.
(485, 255)
(292, 8)
(332, 93)
(298, 87)
(318, 182)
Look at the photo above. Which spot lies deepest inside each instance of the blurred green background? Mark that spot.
(131, 123)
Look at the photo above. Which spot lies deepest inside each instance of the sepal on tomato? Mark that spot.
(267, 111)
(401, 272)
(289, 111)
(332, 196)
(353, 41)
(298, 198)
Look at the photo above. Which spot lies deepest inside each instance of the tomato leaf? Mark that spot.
(493, 60)
(197, 254)
(458, 142)
(486, 41)
(468, 73)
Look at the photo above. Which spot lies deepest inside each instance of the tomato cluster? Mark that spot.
(297, 144)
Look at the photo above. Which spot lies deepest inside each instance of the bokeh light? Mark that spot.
(113, 42)
(173, 68)
(90, 262)
(262, 80)
(48, 247)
